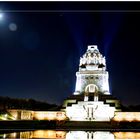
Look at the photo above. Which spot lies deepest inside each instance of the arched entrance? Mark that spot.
(91, 88)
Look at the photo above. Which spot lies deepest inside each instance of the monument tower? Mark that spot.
(91, 100)
(92, 74)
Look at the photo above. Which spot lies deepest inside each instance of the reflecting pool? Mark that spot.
(70, 135)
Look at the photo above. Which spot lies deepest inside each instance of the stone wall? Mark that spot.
(49, 115)
(37, 115)
(127, 116)
(19, 114)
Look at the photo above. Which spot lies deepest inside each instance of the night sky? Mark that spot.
(41, 43)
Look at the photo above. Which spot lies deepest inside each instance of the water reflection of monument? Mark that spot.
(91, 100)
(83, 135)
(72, 135)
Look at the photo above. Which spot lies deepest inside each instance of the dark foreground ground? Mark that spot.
(67, 125)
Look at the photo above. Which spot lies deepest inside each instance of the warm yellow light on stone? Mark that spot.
(49, 115)
(49, 134)
(127, 116)
(127, 135)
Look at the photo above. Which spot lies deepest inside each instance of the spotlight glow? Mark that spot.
(1, 16)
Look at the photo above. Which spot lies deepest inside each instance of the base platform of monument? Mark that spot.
(102, 110)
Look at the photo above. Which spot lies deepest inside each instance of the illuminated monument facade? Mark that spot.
(91, 100)
(92, 75)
